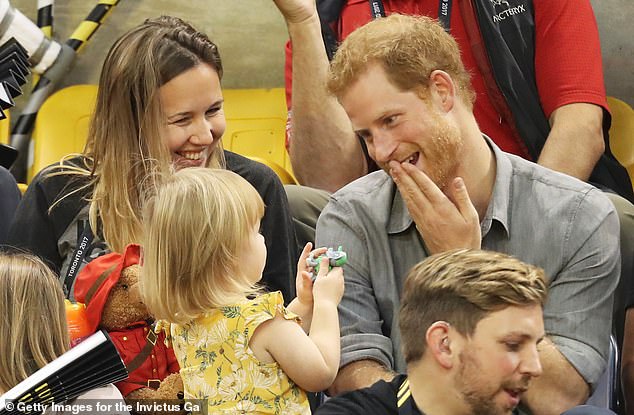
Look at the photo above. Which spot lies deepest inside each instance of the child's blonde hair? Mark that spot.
(194, 229)
(33, 330)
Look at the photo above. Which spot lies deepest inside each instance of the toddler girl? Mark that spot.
(238, 348)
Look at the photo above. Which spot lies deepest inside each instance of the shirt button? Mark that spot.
(153, 357)
(125, 338)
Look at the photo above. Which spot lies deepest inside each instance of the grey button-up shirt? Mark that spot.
(542, 217)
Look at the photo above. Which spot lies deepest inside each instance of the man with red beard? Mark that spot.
(444, 185)
(471, 323)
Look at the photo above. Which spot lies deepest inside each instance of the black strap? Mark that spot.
(444, 11)
(405, 402)
(444, 14)
(329, 11)
(83, 243)
(376, 9)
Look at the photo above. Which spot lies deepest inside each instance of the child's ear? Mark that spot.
(439, 344)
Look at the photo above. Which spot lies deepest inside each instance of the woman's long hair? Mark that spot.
(124, 152)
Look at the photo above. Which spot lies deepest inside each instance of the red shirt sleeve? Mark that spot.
(568, 63)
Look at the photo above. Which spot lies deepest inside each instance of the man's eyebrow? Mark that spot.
(523, 336)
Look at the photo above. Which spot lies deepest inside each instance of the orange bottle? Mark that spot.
(78, 328)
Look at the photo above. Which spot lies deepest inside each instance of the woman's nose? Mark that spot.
(203, 135)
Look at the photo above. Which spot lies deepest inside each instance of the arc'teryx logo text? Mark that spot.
(508, 11)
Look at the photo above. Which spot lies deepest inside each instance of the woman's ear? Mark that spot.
(439, 344)
(442, 89)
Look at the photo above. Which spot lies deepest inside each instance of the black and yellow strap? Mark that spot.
(404, 400)
(403, 393)
(91, 23)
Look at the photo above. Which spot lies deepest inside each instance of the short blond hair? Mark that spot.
(33, 330)
(195, 226)
(409, 48)
(461, 287)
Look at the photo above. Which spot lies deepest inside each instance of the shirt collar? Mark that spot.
(400, 220)
(498, 209)
(500, 204)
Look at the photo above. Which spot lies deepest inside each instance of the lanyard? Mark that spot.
(444, 14)
(376, 9)
(83, 243)
(444, 11)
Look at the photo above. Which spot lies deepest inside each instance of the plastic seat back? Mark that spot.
(622, 134)
(256, 125)
(5, 128)
(61, 126)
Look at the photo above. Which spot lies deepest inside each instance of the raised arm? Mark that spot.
(323, 148)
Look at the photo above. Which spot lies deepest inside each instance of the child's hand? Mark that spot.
(303, 282)
(329, 284)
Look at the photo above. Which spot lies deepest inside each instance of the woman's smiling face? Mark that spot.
(194, 118)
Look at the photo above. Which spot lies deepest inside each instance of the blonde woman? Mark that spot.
(240, 350)
(33, 328)
(159, 108)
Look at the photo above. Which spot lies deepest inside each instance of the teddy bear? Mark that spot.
(108, 286)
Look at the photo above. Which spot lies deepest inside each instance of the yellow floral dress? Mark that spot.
(218, 365)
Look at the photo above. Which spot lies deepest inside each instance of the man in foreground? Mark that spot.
(471, 323)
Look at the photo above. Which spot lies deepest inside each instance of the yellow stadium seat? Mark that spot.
(22, 187)
(622, 134)
(256, 123)
(61, 126)
(5, 129)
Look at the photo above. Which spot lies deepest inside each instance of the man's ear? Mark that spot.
(442, 89)
(439, 344)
